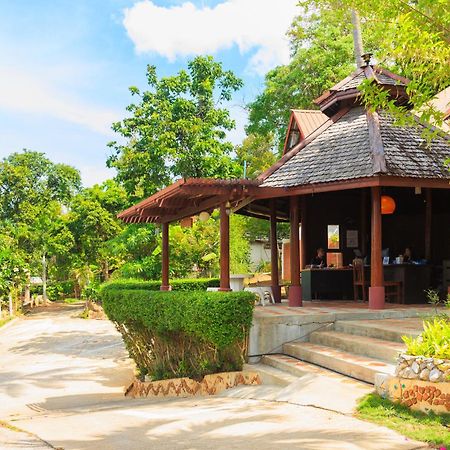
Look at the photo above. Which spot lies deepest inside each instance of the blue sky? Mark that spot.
(66, 65)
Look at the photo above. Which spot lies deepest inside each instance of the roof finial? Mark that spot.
(366, 57)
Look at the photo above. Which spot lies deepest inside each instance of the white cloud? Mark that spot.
(91, 175)
(25, 91)
(185, 30)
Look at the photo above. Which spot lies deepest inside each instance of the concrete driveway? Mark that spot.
(61, 379)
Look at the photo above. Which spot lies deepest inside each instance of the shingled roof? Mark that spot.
(346, 91)
(359, 144)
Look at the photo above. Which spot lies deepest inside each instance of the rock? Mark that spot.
(437, 362)
(435, 375)
(415, 367)
(424, 375)
(430, 366)
(408, 373)
(408, 357)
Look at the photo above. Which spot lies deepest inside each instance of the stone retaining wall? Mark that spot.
(421, 368)
(187, 387)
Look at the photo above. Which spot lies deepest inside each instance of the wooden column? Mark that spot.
(295, 290)
(376, 290)
(224, 248)
(363, 218)
(304, 214)
(428, 222)
(165, 286)
(274, 276)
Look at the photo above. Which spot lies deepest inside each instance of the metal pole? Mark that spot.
(357, 39)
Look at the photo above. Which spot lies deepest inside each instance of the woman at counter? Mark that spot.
(320, 259)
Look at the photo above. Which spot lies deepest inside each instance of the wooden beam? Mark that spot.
(376, 290)
(304, 221)
(165, 286)
(428, 223)
(295, 291)
(363, 220)
(274, 275)
(224, 248)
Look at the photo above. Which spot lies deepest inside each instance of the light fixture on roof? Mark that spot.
(228, 208)
(366, 57)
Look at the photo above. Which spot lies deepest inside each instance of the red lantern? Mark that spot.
(387, 204)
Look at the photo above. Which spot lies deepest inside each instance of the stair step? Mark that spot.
(346, 363)
(361, 345)
(293, 366)
(386, 330)
(271, 374)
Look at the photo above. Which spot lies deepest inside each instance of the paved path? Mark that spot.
(61, 378)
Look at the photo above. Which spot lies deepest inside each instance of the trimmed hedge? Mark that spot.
(178, 334)
(188, 284)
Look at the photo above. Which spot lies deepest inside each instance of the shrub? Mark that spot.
(177, 334)
(433, 342)
(55, 289)
(188, 284)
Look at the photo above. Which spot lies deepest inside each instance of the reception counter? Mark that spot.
(337, 283)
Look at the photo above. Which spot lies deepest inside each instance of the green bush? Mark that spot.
(55, 289)
(177, 334)
(188, 284)
(433, 342)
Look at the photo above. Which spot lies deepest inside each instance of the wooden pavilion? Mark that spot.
(338, 165)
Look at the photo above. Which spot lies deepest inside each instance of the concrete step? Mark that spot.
(271, 374)
(361, 345)
(356, 366)
(387, 329)
(294, 367)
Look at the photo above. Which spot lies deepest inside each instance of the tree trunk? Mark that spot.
(10, 304)
(44, 279)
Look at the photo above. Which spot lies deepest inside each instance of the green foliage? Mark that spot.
(433, 342)
(176, 128)
(412, 39)
(186, 284)
(256, 151)
(322, 47)
(431, 428)
(175, 334)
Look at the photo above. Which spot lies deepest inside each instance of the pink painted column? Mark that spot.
(376, 289)
(295, 290)
(165, 286)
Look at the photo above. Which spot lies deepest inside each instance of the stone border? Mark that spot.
(422, 368)
(415, 394)
(187, 387)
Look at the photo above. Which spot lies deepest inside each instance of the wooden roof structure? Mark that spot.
(342, 146)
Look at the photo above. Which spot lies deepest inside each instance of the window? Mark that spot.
(333, 236)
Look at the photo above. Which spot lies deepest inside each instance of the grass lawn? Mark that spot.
(71, 301)
(431, 428)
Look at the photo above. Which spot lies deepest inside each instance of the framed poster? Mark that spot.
(352, 238)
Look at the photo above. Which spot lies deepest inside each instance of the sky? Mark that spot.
(66, 65)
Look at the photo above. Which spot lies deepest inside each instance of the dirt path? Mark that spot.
(61, 378)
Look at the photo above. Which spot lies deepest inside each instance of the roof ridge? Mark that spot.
(308, 139)
(376, 144)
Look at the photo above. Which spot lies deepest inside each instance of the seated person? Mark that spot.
(320, 259)
(407, 256)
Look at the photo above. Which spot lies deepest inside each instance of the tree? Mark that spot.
(256, 152)
(322, 46)
(176, 129)
(92, 221)
(33, 191)
(412, 39)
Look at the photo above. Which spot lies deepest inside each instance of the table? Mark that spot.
(415, 278)
(333, 283)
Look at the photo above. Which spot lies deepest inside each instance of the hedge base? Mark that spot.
(416, 394)
(187, 387)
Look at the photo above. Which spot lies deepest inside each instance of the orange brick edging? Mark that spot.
(187, 387)
(418, 395)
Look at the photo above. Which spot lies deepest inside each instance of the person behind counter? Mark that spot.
(407, 256)
(320, 259)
